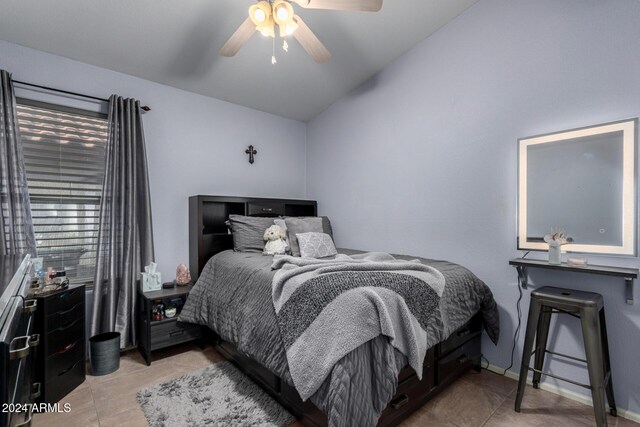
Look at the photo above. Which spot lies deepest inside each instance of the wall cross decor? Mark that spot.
(251, 152)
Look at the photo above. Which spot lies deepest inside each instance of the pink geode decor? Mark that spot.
(183, 276)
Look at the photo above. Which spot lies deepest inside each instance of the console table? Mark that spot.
(628, 274)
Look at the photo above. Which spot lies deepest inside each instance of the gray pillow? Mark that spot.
(248, 232)
(315, 245)
(326, 224)
(301, 225)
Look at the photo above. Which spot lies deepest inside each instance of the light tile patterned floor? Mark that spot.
(483, 399)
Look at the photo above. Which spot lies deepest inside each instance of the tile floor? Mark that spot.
(484, 399)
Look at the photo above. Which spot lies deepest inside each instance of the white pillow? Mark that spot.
(316, 245)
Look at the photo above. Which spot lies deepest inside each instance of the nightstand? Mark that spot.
(154, 334)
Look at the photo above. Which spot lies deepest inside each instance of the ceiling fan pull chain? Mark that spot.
(285, 46)
(273, 51)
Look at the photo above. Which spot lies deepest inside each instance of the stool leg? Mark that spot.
(532, 325)
(541, 343)
(590, 320)
(607, 364)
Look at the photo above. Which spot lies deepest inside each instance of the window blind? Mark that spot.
(64, 156)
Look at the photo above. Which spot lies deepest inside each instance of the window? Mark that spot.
(64, 156)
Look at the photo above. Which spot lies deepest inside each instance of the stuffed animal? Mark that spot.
(274, 236)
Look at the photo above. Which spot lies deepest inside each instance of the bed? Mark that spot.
(370, 385)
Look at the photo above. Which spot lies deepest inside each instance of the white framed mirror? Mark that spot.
(582, 181)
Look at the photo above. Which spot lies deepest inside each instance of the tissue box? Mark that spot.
(151, 282)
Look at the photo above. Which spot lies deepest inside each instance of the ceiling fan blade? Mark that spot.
(310, 42)
(239, 38)
(353, 5)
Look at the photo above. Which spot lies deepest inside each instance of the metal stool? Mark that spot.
(589, 308)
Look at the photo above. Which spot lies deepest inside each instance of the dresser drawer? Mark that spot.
(65, 300)
(173, 332)
(459, 360)
(63, 318)
(265, 209)
(410, 392)
(59, 339)
(463, 334)
(60, 363)
(62, 384)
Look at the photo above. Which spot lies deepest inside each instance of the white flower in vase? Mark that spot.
(555, 240)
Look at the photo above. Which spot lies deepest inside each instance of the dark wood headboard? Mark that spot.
(208, 233)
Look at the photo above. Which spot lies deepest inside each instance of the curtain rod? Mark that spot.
(144, 107)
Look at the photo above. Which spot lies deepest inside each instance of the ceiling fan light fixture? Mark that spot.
(288, 29)
(282, 12)
(267, 29)
(260, 13)
(264, 16)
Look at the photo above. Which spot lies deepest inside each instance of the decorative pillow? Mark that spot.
(301, 225)
(248, 231)
(316, 245)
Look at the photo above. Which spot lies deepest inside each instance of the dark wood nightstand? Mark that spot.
(157, 334)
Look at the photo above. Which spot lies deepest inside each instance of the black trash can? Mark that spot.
(105, 353)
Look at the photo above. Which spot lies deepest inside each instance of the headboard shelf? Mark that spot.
(208, 232)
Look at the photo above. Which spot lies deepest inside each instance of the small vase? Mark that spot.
(555, 255)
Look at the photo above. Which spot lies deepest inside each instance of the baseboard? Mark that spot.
(630, 415)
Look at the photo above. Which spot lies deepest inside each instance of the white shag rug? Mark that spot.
(219, 395)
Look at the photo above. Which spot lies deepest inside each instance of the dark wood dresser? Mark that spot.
(167, 331)
(18, 342)
(61, 361)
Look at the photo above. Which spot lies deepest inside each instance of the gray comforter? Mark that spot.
(233, 297)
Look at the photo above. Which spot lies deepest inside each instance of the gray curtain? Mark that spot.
(18, 236)
(125, 240)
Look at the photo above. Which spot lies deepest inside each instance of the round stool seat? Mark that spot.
(551, 295)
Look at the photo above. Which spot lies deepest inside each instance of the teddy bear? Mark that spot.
(274, 236)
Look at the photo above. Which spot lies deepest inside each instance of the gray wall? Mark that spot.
(195, 144)
(422, 158)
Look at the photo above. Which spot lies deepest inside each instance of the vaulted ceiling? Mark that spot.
(176, 43)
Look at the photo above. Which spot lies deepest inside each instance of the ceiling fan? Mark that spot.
(265, 15)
